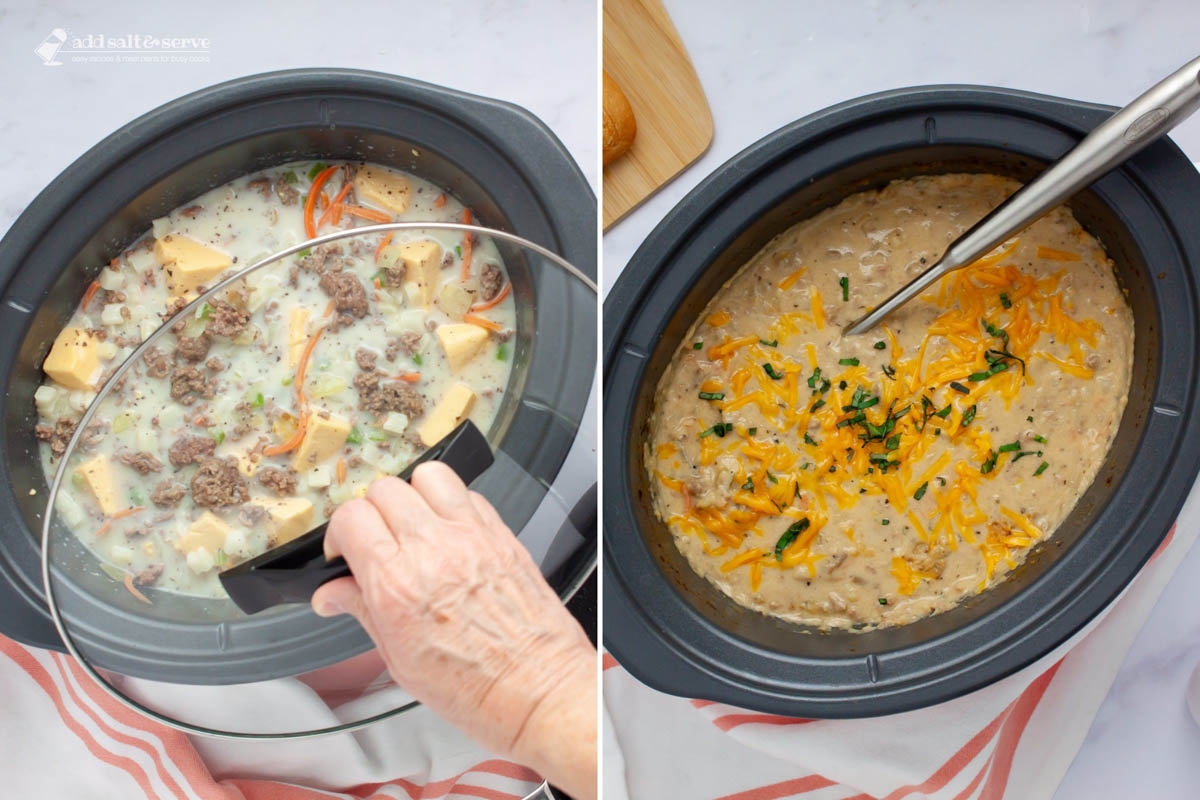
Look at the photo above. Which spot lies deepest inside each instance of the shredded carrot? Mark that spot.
(483, 323)
(341, 471)
(125, 512)
(441, 201)
(302, 368)
(133, 590)
(90, 293)
(292, 443)
(409, 377)
(495, 301)
(378, 284)
(334, 210)
(367, 213)
(466, 247)
(384, 242)
(324, 200)
(329, 308)
(310, 203)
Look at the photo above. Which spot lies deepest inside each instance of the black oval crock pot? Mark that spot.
(500, 160)
(677, 632)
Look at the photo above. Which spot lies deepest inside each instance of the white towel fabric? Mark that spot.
(62, 736)
(1012, 740)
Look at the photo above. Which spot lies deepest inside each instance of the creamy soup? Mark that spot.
(248, 423)
(873, 480)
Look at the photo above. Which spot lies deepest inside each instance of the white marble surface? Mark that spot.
(763, 67)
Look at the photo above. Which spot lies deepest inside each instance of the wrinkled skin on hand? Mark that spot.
(465, 621)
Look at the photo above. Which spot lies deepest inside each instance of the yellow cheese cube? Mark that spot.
(383, 188)
(188, 263)
(422, 262)
(98, 478)
(461, 342)
(324, 437)
(74, 360)
(207, 532)
(297, 334)
(290, 517)
(450, 410)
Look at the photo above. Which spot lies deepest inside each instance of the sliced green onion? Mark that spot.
(1004, 301)
(968, 416)
(698, 346)
(772, 343)
(958, 387)
(789, 536)
(315, 170)
(848, 362)
(773, 373)
(881, 345)
(844, 281)
(712, 395)
(920, 492)
(1041, 469)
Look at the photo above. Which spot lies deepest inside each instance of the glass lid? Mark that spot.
(229, 432)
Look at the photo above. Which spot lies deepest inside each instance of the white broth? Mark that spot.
(255, 417)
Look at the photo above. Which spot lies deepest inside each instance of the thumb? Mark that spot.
(339, 596)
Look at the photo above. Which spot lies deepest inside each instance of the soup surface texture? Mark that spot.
(869, 481)
(261, 411)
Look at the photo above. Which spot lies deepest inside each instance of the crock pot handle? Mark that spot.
(292, 572)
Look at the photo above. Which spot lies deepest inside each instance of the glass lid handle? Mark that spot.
(292, 572)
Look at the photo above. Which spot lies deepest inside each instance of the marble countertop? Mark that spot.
(760, 74)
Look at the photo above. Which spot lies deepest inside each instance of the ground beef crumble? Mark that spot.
(188, 383)
(168, 493)
(349, 296)
(227, 320)
(375, 395)
(142, 463)
(217, 482)
(149, 575)
(280, 481)
(58, 434)
(190, 450)
(365, 359)
(491, 280)
(158, 363)
(408, 343)
(193, 348)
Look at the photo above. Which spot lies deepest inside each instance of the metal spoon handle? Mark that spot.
(1118, 138)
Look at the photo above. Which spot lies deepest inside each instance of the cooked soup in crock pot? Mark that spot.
(868, 481)
(247, 424)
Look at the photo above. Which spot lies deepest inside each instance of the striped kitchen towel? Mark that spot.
(1012, 740)
(61, 736)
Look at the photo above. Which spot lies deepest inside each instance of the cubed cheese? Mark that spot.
(188, 263)
(289, 517)
(461, 341)
(74, 360)
(207, 533)
(98, 478)
(383, 188)
(450, 410)
(297, 334)
(324, 437)
(422, 262)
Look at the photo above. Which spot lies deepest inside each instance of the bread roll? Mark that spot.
(619, 124)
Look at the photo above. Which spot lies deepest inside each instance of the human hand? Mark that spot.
(466, 623)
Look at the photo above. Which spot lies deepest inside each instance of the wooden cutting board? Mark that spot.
(643, 53)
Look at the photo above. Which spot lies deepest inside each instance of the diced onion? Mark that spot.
(120, 554)
(110, 279)
(111, 315)
(236, 544)
(319, 477)
(106, 350)
(395, 422)
(200, 561)
(69, 508)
